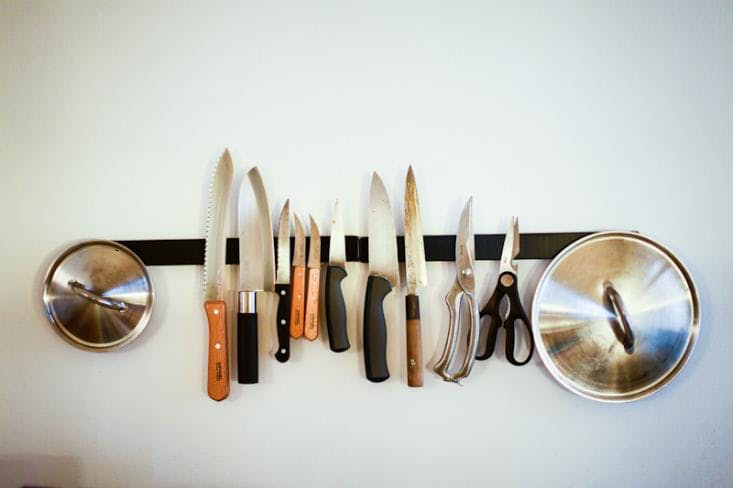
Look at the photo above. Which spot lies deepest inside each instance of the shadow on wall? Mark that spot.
(35, 470)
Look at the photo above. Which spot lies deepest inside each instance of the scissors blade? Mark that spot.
(465, 249)
(511, 247)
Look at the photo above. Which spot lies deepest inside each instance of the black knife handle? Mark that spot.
(283, 323)
(375, 329)
(247, 360)
(336, 309)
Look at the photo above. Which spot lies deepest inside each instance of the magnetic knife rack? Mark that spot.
(177, 252)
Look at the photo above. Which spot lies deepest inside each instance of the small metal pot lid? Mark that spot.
(99, 295)
(615, 316)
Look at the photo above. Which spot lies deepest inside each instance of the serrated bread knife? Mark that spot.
(217, 385)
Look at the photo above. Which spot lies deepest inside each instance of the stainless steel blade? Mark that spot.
(299, 251)
(215, 247)
(256, 249)
(314, 255)
(465, 249)
(511, 247)
(283, 246)
(382, 234)
(337, 246)
(415, 269)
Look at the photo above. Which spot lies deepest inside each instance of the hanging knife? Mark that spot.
(214, 259)
(282, 285)
(256, 275)
(297, 305)
(314, 281)
(416, 276)
(335, 273)
(383, 275)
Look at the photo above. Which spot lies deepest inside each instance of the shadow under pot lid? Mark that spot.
(98, 295)
(615, 317)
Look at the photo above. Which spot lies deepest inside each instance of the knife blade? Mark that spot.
(314, 281)
(217, 385)
(297, 304)
(256, 275)
(416, 274)
(282, 284)
(335, 273)
(383, 275)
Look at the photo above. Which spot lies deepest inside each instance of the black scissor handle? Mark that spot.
(506, 287)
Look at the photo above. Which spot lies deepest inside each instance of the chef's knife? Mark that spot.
(214, 258)
(282, 285)
(416, 276)
(256, 275)
(314, 281)
(335, 272)
(383, 275)
(297, 304)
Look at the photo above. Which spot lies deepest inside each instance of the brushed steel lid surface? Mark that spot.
(615, 316)
(98, 295)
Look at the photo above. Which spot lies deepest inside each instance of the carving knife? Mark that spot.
(335, 273)
(214, 258)
(314, 281)
(282, 285)
(297, 304)
(383, 275)
(256, 275)
(416, 276)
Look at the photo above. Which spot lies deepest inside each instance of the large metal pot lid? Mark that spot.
(615, 316)
(98, 295)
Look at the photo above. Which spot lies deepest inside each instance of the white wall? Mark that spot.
(574, 116)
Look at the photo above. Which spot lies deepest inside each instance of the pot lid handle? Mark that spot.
(81, 290)
(620, 319)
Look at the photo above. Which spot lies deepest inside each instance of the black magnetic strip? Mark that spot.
(171, 252)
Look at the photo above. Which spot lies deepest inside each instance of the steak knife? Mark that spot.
(383, 275)
(256, 275)
(214, 259)
(297, 304)
(314, 281)
(416, 275)
(338, 338)
(282, 285)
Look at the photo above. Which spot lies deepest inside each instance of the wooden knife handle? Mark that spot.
(311, 304)
(297, 304)
(414, 341)
(218, 371)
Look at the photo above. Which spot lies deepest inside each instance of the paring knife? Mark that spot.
(383, 275)
(335, 273)
(214, 259)
(297, 304)
(256, 275)
(314, 281)
(282, 285)
(416, 276)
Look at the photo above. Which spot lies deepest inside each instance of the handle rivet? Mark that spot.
(217, 346)
(282, 292)
(466, 272)
(282, 321)
(216, 311)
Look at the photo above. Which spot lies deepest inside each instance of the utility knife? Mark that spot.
(297, 303)
(383, 276)
(282, 285)
(256, 274)
(217, 385)
(313, 283)
(335, 273)
(416, 275)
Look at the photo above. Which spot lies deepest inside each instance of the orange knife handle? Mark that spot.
(297, 305)
(311, 304)
(218, 370)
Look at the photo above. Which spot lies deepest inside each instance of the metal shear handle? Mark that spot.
(456, 296)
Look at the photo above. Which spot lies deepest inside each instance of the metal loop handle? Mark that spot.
(454, 299)
(81, 290)
(621, 315)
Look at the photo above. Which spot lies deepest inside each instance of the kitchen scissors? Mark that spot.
(462, 292)
(506, 286)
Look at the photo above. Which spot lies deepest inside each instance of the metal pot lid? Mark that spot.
(99, 295)
(615, 316)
